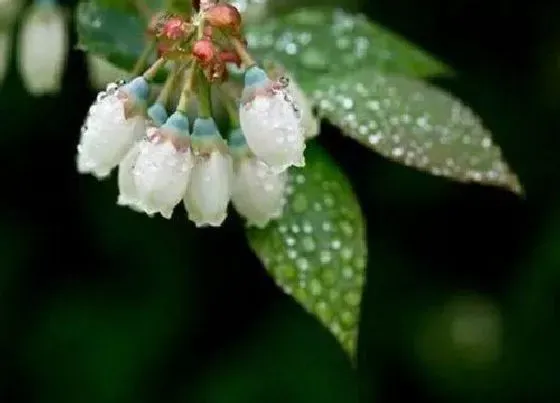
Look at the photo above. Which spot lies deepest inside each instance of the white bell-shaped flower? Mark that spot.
(43, 42)
(115, 121)
(271, 122)
(101, 71)
(257, 192)
(163, 167)
(128, 195)
(5, 52)
(209, 190)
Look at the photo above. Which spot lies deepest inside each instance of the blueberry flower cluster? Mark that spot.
(166, 155)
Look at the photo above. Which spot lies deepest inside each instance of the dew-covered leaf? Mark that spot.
(415, 124)
(316, 41)
(117, 35)
(255, 10)
(118, 4)
(317, 252)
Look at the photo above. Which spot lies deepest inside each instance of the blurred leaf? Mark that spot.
(414, 124)
(317, 41)
(316, 252)
(118, 4)
(255, 10)
(140, 6)
(114, 34)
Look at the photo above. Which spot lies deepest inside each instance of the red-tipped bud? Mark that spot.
(204, 51)
(224, 16)
(175, 28)
(228, 56)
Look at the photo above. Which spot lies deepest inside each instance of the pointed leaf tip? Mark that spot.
(317, 251)
(415, 124)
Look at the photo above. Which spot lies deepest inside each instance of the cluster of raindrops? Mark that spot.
(316, 253)
(417, 125)
(334, 41)
(110, 90)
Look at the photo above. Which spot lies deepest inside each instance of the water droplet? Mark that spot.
(315, 287)
(307, 227)
(348, 319)
(352, 298)
(324, 311)
(302, 263)
(325, 256)
(300, 179)
(346, 254)
(335, 328)
(346, 228)
(328, 200)
(308, 244)
(299, 203)
(347, 103)
(374, 138)
(336, 244)
(291, 48)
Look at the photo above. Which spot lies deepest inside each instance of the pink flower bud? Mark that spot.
(224, 16)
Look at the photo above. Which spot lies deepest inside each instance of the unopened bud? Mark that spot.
(204, 51)
(174, 28)
(224, 16)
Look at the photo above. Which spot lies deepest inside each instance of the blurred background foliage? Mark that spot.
(99, 304)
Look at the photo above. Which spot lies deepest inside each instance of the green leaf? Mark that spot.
(414, 124)
(126, 5)
(317, 41)
(317, 252)
(254, 11)
(117, 35)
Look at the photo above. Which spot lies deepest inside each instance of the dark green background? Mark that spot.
(100, 304)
